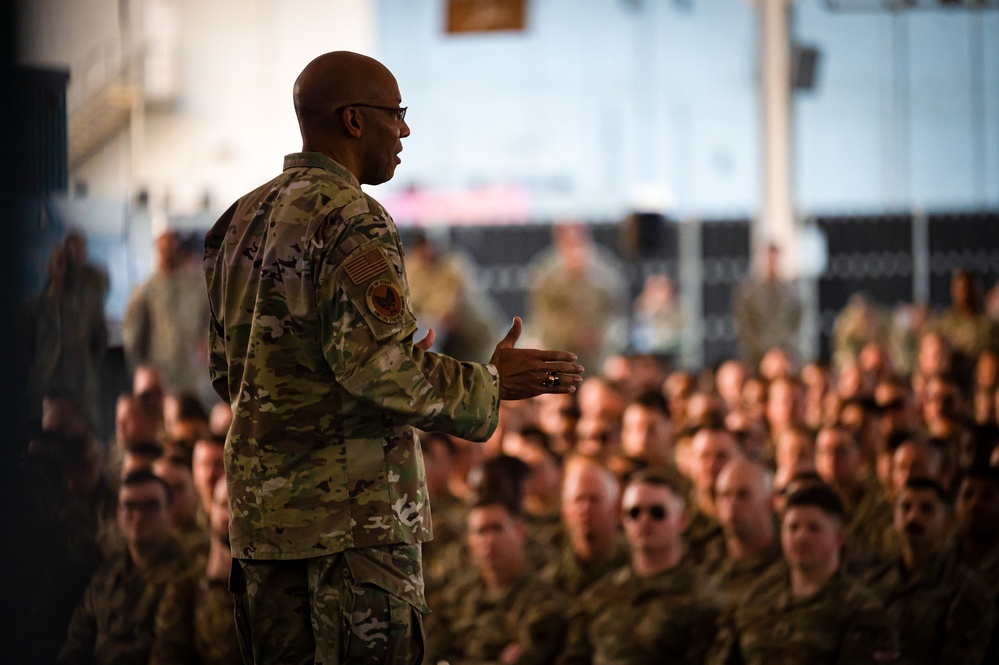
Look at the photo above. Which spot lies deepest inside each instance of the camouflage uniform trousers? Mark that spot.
(357, 606)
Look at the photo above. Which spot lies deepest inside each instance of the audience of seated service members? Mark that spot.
(825, 514)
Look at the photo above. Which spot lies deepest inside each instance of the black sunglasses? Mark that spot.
(656, 511)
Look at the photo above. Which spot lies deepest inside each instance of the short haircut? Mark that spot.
(180, 452)
(577, 463)
(897, 438)
(989, 474)
(512, 508)
(929, 484)
(189, 407)
(501, 480)
(537, 437)
(819, 496)
(658, 477)
(143, 476)
(145, 448)
(653, 400)
(840, 426)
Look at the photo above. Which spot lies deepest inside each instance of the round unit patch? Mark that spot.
(385, 301)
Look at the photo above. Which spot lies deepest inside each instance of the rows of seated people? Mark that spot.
(771, 514)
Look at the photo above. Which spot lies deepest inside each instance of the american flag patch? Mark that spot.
(366, 266)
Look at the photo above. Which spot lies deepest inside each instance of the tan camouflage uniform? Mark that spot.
(767, 314)
(943, 613)
(704, 540)
(115, 619)
(665, 618)
(194, 540)
(311, 342)
(843, 623)
(867, 518)
(476, 623)
(735, 577)
(195, 625)
(568, 573)
(164, 325)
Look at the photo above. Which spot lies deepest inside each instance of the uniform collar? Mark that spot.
(318, 160)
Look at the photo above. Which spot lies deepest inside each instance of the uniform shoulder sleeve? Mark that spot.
(173, 640)
(971, 620)
(367, 327)
(869, 637)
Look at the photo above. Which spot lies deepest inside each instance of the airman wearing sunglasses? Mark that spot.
(658, 608)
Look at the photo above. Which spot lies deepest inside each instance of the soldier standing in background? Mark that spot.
(577, 297)
(312, 343)
(767, 313)
(165, 321)
(65, 340)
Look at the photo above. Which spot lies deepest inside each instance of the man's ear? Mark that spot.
(352, 122)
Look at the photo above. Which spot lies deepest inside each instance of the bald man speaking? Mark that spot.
(312, 344)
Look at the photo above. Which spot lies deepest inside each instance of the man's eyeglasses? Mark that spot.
(656, 511)
(400, 112)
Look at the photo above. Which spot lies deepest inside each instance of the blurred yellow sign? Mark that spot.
(485, 15)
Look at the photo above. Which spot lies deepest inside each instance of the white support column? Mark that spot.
(776, 218)
(691, 288)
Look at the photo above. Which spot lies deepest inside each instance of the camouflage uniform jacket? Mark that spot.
(943, 612)
(843, 623)
(195, 624)
(987, 568)
(704, 540)
(476, 623)
(867, 517)
(115, 619)
(666, 618)
(735, 577)
(311, 342)
(767, 314)
(164, 325)
(573, 576)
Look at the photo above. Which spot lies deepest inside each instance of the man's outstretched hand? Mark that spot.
(525, 373)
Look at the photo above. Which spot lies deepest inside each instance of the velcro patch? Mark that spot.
(385, 300)
(366, 266)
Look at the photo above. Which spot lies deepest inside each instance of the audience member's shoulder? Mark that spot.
(770, 582)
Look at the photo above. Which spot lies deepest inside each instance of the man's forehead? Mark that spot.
(738, 479)
(585, 481)
(808, 513)
(920, 495)
(982, 486)
(646, 492)
(488, 514)
(833, 437)
(142, 491)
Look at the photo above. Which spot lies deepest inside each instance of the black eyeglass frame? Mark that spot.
(656, 511)
(399, 111)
